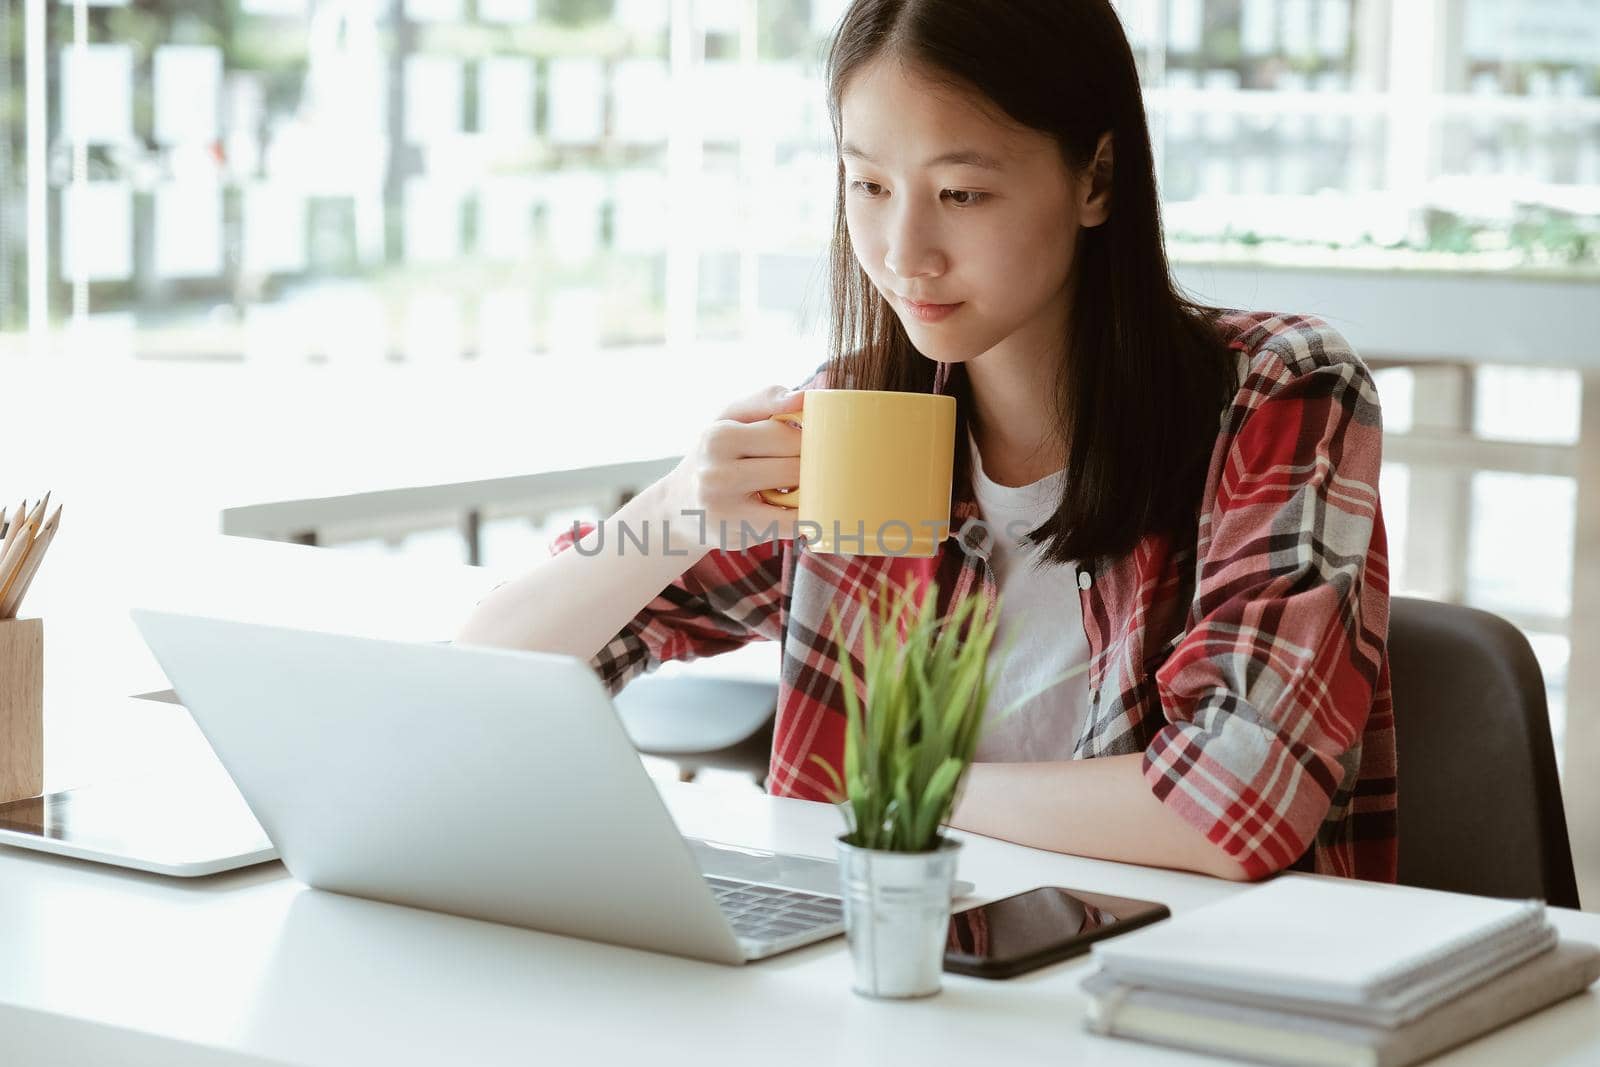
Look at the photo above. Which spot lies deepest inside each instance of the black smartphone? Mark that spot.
(1021, 933)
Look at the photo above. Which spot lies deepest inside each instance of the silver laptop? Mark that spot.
(483, 782)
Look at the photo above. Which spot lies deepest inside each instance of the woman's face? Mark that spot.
(947, 203)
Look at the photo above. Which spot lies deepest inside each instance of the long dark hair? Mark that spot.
(1140, 395)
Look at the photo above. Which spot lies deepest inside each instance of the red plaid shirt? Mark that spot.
(1249, 667)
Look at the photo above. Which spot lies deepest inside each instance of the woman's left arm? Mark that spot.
(1089, 807)
(1268, 694)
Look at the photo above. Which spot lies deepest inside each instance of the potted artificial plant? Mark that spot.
(905, 757)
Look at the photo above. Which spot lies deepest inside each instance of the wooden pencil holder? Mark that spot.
(21, 708)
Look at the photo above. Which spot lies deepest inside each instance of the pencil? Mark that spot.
(11, 602)
(37, 514)
(11, 562)
(17, 524)
(14, 526)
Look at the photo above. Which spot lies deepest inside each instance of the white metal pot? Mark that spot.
(896, 912)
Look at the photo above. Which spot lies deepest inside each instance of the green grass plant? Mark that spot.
(928, 681)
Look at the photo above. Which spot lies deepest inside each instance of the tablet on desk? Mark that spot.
(178, 825)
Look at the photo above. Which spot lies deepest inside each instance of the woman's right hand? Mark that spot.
(742, 452)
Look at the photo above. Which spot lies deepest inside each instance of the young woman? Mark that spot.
(1197, 488)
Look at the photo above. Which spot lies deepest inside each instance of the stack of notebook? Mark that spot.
(1333, 971)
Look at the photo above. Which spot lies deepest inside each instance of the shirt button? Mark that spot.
(1084, 579)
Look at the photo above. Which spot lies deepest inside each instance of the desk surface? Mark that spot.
(254, 965)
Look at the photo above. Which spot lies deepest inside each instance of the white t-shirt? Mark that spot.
(1040, 606)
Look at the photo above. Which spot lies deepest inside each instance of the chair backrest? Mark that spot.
(1479, 802)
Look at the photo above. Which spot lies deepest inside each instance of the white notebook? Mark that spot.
(1227, 1028)
(1380, 953)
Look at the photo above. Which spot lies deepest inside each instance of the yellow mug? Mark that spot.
(875, 471)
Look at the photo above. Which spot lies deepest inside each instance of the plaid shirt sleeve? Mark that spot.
(721, 603)
(1267, 694)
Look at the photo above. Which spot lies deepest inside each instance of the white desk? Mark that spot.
(102, 965)
(254, 964)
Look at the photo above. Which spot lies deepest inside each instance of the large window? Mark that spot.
(415, 180)
(426, 180)
(1440, 133)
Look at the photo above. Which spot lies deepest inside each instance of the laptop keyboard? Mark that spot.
(768, 913)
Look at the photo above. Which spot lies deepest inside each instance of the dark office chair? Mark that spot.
(720, 723)
(1479, 806)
